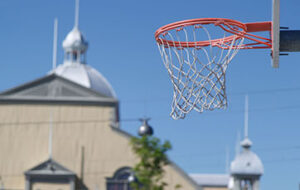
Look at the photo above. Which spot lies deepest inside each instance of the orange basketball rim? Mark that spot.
(236, 28)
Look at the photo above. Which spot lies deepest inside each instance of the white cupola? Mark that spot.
(75, 42)
(247, 168)
(75, 45)
(74, 67)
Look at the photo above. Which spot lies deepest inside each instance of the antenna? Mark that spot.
(54, 56)
(50, 136)
(76, 13)
(246, 116)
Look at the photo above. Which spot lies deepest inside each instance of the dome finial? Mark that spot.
(246, 143)
(76, 22)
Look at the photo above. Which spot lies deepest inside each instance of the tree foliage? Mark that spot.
(149, 171)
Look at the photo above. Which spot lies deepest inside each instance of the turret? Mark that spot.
(247, 168)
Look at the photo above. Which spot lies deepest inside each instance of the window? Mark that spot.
(119, 181)
(246, 184)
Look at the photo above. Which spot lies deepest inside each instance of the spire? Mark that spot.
(76, 14)
(54, 56)
(246, 143)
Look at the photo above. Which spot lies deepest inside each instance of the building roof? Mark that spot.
(86, 76)
(49, 168)
(55, 89)
(74, 67)
(247, 163)
(211, 180)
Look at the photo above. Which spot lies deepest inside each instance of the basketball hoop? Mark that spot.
(196, 54)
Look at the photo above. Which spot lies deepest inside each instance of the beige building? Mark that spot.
(88, 150)
(62, 131)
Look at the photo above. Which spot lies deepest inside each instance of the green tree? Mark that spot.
(149, 171)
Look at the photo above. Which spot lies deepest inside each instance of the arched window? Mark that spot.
(119, 181)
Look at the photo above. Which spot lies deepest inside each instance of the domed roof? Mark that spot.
(74, 67)
(75, 41)
(247, 162)
(86, 76)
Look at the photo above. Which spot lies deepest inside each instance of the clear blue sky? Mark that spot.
(123, 49)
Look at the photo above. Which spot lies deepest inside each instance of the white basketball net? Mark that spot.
(198, 73)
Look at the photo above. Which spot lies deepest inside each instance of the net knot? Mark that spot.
(179, 29)
(165, 33)
(198, 26)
